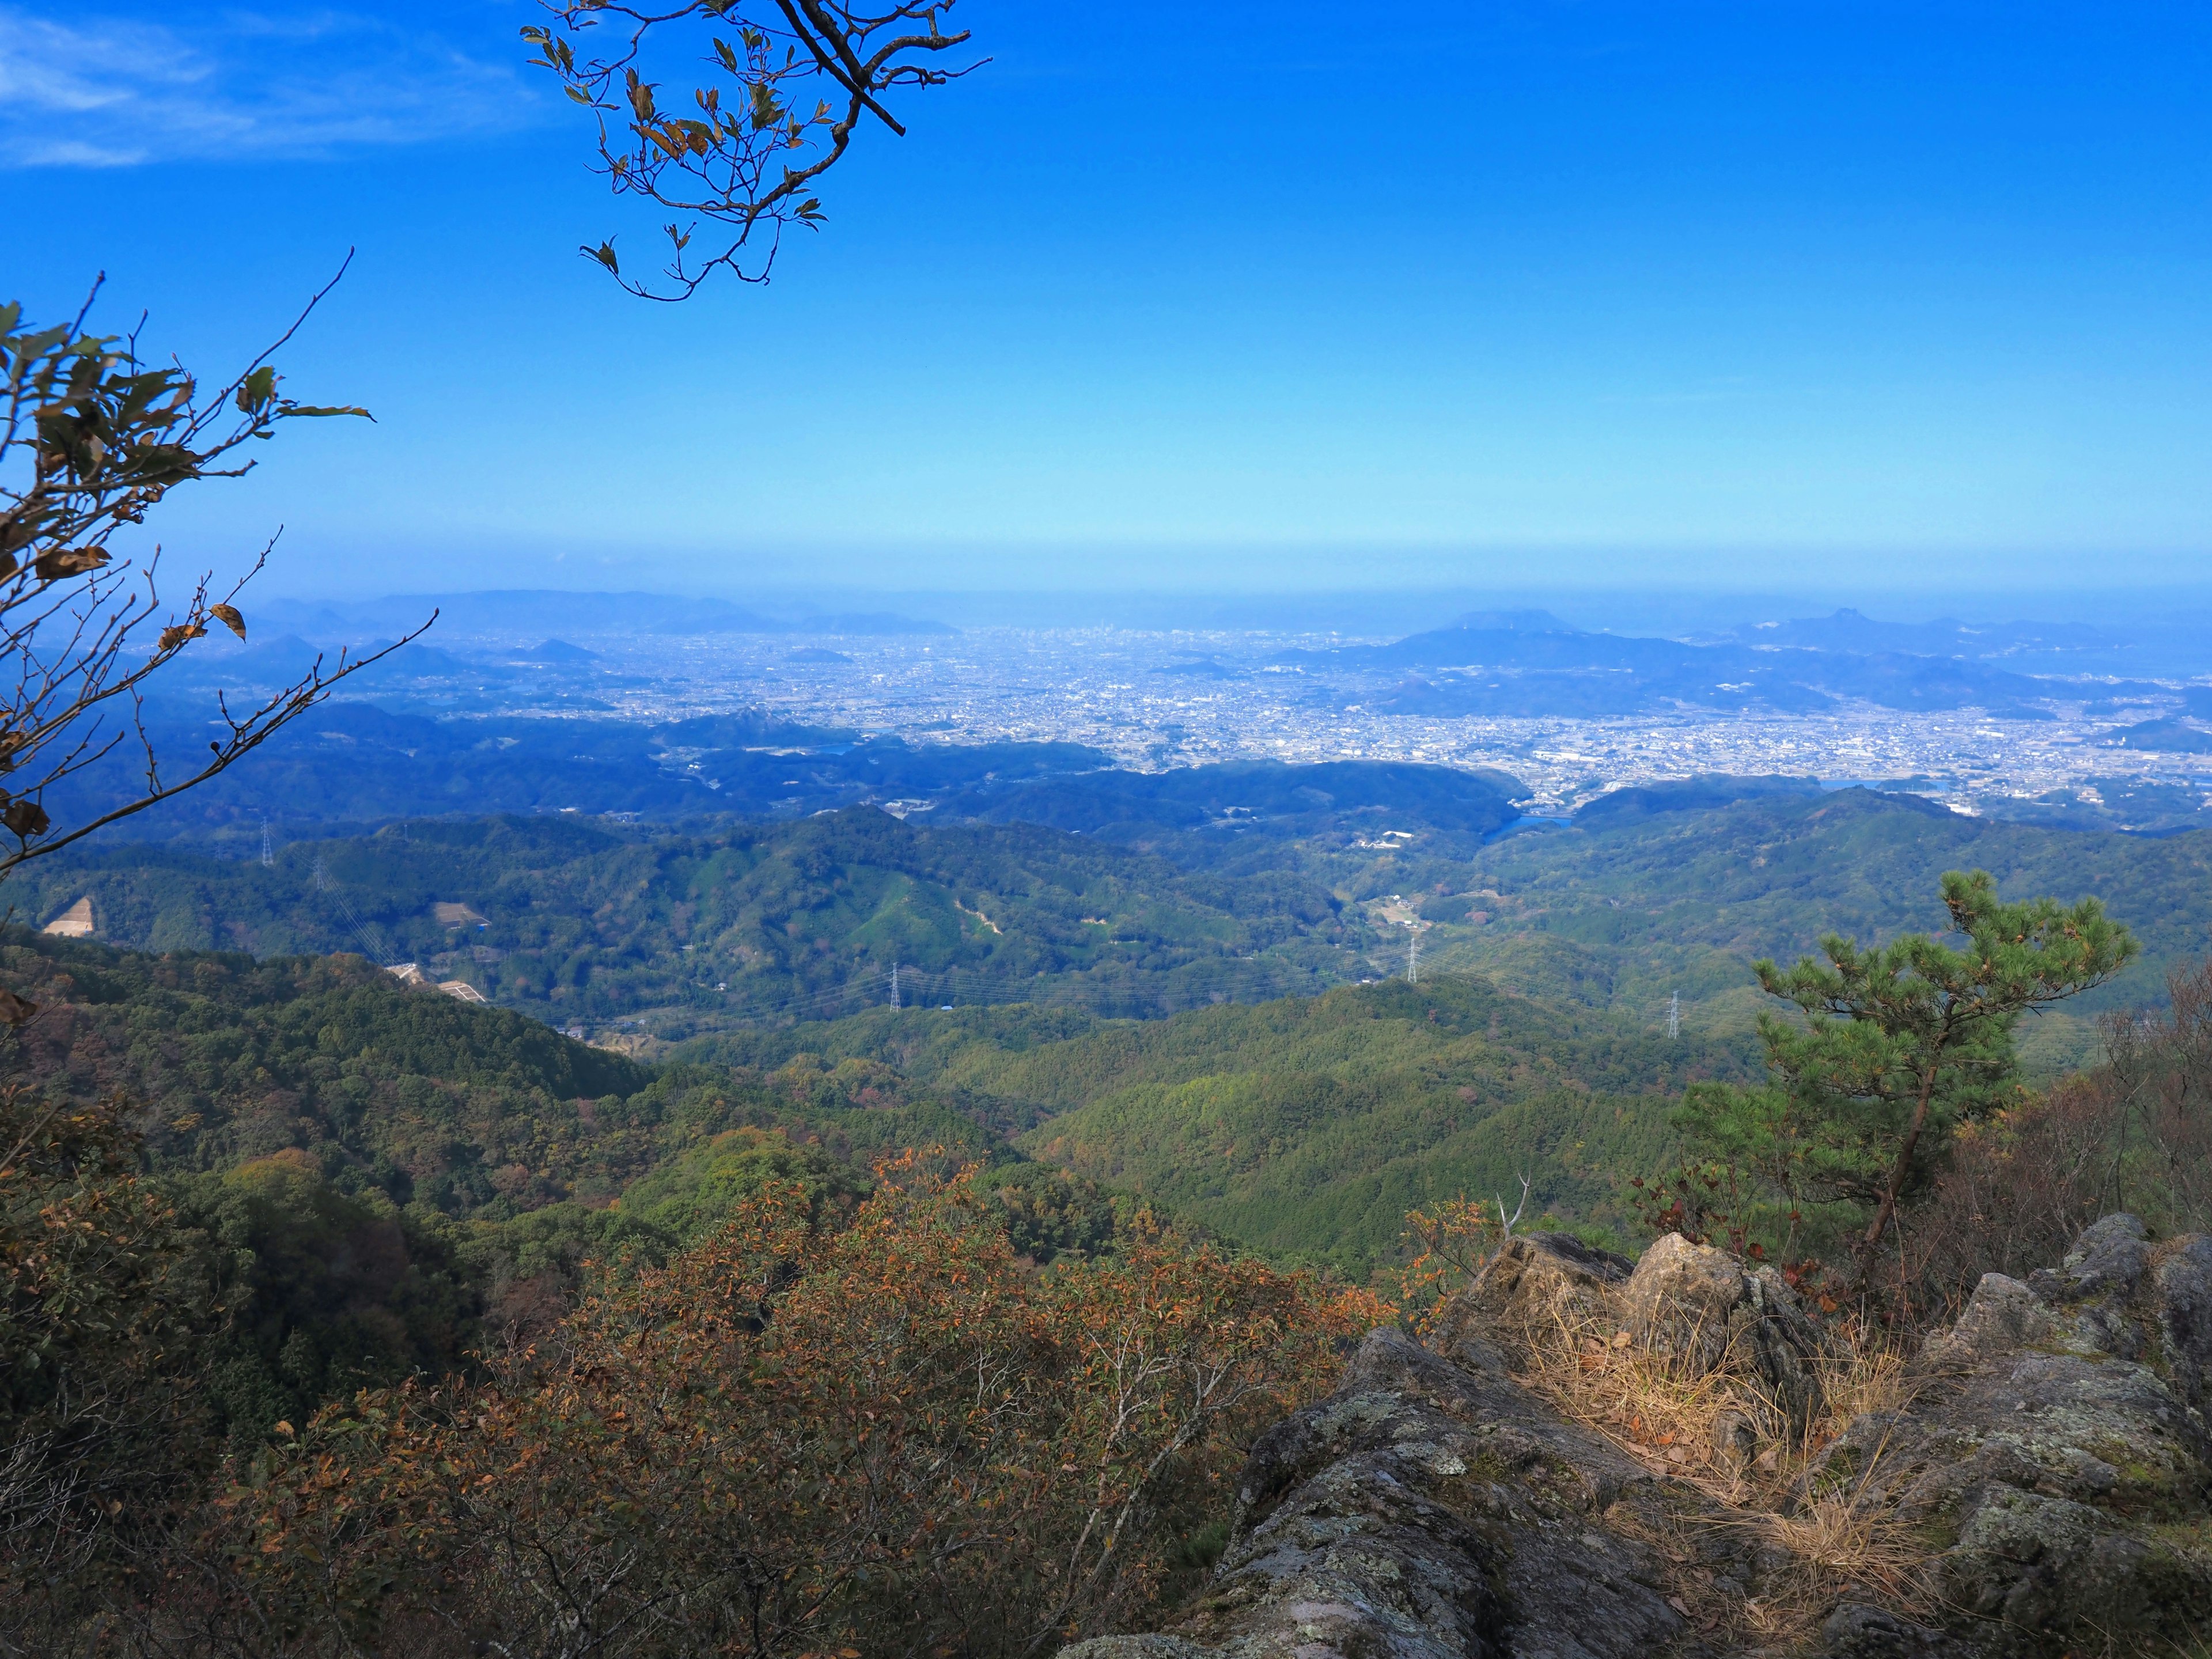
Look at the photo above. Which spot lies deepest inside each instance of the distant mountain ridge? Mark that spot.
(356, 763)
(1245, 795)
(2171, 737)
(1531, 664)
(1847, 629)
(540, 612)
(1686, 795)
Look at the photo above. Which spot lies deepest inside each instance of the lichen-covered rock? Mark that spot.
(1697, 1303)
(2107, 1261)
(2182, 1290)
(2059, 1478)
(1427, 1507)
(1540, 1282)
(1680, 1298)
(1856, 1631)
(2055, 1463)
(2096, 1282)
(1429, 1510)
(2001, 1317)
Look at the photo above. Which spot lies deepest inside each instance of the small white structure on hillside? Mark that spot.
(75, 922)
(410, 975)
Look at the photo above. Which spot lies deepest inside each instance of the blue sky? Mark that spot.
(1530, 294)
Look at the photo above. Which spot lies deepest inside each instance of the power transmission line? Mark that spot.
(372, 947)
(1247, 981)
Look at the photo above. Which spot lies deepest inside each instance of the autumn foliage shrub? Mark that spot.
(890, 1437)
(1449, 1246)
(103, 1438)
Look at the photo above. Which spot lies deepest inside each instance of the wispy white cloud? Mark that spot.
(123, 90)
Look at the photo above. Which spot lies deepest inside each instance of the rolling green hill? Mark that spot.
(731, 926)
(1633, 908)
(379, 1174)
(1307, 1127)
(1304, 1128)
(571, 920)
(470, 1113)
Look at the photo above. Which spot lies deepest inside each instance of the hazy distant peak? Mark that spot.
(557, 651)
(1700, 793)
(1849, 630)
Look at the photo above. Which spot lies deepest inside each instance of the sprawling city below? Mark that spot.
(1154, 700)
(2016, 719)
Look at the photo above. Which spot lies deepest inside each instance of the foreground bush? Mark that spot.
(889, 1439)
(104, 1440)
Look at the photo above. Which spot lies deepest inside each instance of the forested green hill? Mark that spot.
(732, 926)
(1624, 913)
(475, 1114)
(572, 919)
(388, 1165)
(1307, 1127)
(1304, 1126)
(390, 1176)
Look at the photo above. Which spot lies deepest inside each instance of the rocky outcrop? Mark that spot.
(2056, 1463)
(1702, 1306)
(2053, 1466)
(1424, 1510)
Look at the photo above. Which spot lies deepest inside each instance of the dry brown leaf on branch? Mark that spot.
(69, 561)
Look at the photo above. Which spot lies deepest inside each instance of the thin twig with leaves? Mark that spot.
(92, 438)
(747, 160)
(1456, 1243)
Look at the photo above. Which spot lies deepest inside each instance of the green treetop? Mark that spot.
(1897, 1045)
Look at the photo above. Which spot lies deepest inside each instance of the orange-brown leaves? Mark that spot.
(893, 1437)
(1455, 1239)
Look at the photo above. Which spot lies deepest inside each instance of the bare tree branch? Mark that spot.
(92, 440)
(746, 161)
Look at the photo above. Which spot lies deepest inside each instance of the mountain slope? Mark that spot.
(1630, 906)
(1304, 1128)
(1240, 796)
(1309, 1128)
(569, 919)
(1504, 665)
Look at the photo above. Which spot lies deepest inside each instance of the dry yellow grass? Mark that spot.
(1693, 1426)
